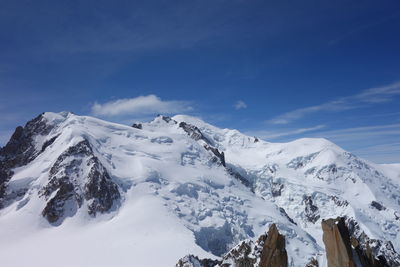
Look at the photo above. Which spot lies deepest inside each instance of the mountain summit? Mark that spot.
(79, 191)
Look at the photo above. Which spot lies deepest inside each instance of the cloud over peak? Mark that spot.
(141, 105)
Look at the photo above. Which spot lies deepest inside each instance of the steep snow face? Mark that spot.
(174, 186)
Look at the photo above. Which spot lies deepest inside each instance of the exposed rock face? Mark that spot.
(274, 253)
(56, 206)
(167, 119)
(345, 244)
(283, 212)
(371, 252)
(313, 263)
(245, 254)
(237, 174)
(268, 251)
(241, 255)
(344, 239)
(78, 163)
(194, 261)
(5, 174)
(100, 190)
(377, 205)
(337, 243)
(197, 135)
(276, 189)
(21, 149)
(219, 156)
(193, 132)
(339, 202)
(311, 211)
(137, 126)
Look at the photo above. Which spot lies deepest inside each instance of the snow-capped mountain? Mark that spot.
(79, 191)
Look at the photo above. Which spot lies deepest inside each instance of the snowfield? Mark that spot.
(176, 196)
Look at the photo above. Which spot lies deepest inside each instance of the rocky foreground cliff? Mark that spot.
(345, 247)
(96, 193)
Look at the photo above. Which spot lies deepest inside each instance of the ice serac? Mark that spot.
(337, 243)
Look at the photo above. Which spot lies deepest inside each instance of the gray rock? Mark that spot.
(99, 191)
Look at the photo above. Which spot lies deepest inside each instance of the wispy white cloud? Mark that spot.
(240, 104)
(370, 133)
(365, 98)
(140, 106)
(270, 135)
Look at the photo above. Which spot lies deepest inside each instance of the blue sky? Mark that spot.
(280, 70)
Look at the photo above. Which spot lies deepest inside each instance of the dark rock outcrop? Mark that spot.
(167, 119)
(219, 156)
(48, 143)
(56, 206)
(313, 263)
(371, 252)
(377, 205)
(5, 174)
(194, 261)
(339, 202)
(268, 251)
(337, 243)
(276, 188)
(245, 254)
(72, 185)
(310, 210)
(283, 212)
(346, 244)
(137, 126)
(100, 190)
(194, 132)
(230, 169)
(20, 150)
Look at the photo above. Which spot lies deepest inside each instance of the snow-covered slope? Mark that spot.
(79, 191)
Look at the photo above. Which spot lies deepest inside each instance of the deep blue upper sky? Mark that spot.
(276, 69)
